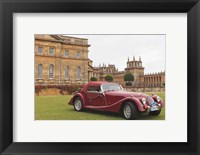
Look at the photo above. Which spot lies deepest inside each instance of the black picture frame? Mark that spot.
(8, 7)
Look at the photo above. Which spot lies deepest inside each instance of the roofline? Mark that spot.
(64, 35)
(59, 41)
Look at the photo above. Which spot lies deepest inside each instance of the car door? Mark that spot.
(95, 96)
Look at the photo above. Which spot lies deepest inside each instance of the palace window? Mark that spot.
(51, 51)
(40, 71)
(78, 54)
(66, 53)
(66, 72)
(40, 49)
(78, 74)
(51, 71)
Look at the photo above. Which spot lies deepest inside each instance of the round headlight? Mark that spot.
(144, 100)
(158, 99)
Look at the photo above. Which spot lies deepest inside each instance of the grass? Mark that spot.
(57, 108)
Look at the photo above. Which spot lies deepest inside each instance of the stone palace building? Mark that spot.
(64, 60)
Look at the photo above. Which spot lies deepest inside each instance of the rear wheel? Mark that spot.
(130, 111)
(78, 104)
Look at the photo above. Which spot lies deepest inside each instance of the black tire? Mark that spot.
(133, 111)
(155, 113)
(78, 104)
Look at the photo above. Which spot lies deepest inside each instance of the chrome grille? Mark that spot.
(150, 100)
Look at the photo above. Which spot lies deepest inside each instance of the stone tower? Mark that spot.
(135, 67)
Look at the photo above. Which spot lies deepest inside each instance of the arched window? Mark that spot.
(51, 71)
(40, 71)
(66, 72)
(78, 73)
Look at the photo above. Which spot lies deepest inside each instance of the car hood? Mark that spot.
(126, 94)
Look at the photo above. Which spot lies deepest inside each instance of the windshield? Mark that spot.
(111, 86)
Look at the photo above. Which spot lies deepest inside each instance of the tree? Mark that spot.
(93, 79)
(129, 78)
(108, 78)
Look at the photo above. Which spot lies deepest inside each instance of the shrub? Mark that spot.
(128, 77)
(93, 79)
(109, 78)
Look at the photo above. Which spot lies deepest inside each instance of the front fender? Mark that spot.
(136, 101)
(161, 100)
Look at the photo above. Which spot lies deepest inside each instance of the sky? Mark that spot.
(115, 49)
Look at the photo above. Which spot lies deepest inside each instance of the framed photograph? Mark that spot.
(96, 81)
(99, 77)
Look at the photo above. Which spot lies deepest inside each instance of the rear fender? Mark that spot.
(81, 96)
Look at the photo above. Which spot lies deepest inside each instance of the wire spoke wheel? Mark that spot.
(130, 110)
(78, 104)
(127, 111)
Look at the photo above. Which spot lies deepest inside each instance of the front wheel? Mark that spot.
(130, 111)
(78, 104)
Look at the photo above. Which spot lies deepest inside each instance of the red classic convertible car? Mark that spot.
(111, 97)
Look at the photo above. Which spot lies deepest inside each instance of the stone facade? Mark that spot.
(153, 80)
(61, 59)
(134, 67)
(64, 60)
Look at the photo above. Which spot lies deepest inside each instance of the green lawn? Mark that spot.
(56, 108)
